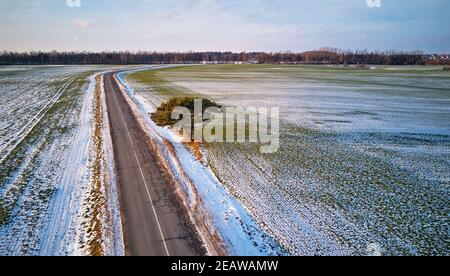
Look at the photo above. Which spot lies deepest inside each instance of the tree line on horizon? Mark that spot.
(321, 56)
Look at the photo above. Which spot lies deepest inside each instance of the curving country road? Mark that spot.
(152, 224)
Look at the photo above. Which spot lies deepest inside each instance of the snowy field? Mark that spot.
(211, 208)
(364, 154)
(45, 159)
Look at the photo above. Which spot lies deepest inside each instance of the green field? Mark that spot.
(364, 154)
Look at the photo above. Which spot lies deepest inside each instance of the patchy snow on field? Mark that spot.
(45, 175)
(364, 155)
(65, 214)
(25, 95)
(236, 227)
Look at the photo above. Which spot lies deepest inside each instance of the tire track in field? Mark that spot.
(36, 119)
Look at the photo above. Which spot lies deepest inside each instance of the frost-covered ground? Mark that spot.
(364, 154)
(45, 152)
(25, 94)
(211, 207)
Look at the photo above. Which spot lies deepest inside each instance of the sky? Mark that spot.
(224, 25)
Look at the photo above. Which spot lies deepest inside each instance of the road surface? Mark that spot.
(152, 224)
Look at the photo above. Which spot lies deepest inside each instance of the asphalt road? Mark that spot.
(152, 224)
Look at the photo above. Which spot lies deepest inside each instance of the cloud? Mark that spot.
(80, 23)
(269, 25)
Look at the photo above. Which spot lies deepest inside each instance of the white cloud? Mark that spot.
(252, 25)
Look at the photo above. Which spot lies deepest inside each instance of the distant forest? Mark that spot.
(322, 56)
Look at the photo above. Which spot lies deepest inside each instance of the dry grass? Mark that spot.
(96, 201)
(3, 214)
(196, 149)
